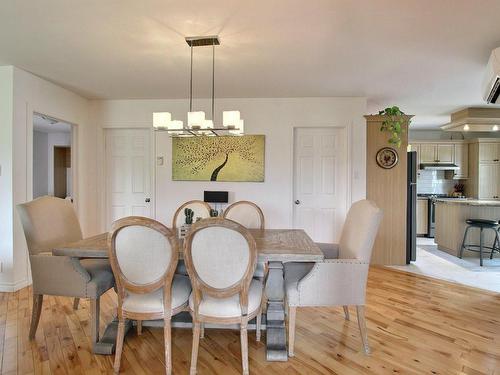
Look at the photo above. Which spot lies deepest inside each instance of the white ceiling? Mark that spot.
(426, 56)
(46, 124)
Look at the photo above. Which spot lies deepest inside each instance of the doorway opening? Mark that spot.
(52, 157)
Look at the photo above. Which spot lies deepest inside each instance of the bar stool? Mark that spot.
(482, 224)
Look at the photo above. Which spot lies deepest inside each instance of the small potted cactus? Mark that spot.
(214, 213)
(188, 221)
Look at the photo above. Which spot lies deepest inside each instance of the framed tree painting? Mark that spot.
(224, 158)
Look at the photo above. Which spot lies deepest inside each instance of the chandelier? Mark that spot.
(197, 124)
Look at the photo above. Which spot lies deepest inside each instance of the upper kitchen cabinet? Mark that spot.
(416, 147)
(437, 153)
(445, 153)
(428, 153)
(462, 160)
(489, 152)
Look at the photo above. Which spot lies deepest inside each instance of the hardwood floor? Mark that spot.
(416, 325)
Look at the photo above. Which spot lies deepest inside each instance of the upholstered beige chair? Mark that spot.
(49, 222)
(250, 216)
(144, 254)
(337, 282)
(220, 257)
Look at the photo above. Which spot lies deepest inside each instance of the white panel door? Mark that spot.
(320, 182)
(128, 174)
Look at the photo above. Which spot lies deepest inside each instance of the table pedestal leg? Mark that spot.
(275, 318)
(106, 345)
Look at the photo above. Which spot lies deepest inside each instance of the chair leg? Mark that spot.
(496, 244)
(139, 327)
(481, 247)
(167, 333)
(462, 248)
(119, 344)
(35, 314)
(196, 344)
(258, 322)
(202, 330)
(244, 347)
(360, 310)
(76, 302)
(94, 318)
(292, 312)
(346, 313)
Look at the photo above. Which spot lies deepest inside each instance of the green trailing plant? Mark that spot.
(214, 213)
(394, 124)
(189, 213)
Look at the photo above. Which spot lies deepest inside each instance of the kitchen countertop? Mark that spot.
(470, 202)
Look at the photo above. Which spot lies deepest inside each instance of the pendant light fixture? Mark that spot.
(197, 123)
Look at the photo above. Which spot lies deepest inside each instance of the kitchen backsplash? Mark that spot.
(434, 182)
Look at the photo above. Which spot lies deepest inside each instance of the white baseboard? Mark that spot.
(15, 286)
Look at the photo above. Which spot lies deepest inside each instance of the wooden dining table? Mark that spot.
(274, 246)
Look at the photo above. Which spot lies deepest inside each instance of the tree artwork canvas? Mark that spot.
(224, 158)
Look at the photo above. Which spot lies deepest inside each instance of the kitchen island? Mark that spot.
(451, 215)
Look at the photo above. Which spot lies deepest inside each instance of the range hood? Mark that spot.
(439, 167)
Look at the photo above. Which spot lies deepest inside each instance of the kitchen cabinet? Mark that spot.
(427, 153)
(445, 153)
(422, 216)
(489, 152)
(461, 159)
(489, 181)
(484, 169)
(437, 153)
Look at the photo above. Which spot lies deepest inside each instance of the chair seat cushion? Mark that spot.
(230, 307)
(153, 302)
(330, 250)
(294, 272)
(101, 277)
(482, 222)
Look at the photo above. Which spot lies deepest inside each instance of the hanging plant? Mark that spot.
(394, 124)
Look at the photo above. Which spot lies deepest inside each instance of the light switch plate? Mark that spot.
(159, 160)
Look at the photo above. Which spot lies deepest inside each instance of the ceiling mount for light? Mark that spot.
(197, 124)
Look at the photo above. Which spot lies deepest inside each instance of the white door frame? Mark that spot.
(29, 155)
(348, 138)
(102, 176)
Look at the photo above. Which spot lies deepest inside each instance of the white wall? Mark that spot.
(55, 139)
(6, 145)
(40, 164)
(31, 93)
(273, 117)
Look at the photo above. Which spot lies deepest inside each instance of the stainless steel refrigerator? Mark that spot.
(411, 209)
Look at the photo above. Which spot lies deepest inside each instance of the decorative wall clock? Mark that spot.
(387, 157)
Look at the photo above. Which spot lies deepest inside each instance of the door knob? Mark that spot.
(297, 202)
(147, 200)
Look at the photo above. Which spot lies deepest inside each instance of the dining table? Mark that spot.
(274, 246)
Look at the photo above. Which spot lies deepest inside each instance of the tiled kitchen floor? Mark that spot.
(435, 263)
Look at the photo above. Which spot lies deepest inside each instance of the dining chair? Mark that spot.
(250, 216)
(341, 281)
(220, 257)
(200, 209)
(143, 255)
(49, 222)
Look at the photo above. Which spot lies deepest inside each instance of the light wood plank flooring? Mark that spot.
(416, 325)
